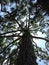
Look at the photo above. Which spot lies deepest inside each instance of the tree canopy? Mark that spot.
(20, 20)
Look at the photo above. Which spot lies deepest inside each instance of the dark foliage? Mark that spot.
(23, 19)
(44, 4)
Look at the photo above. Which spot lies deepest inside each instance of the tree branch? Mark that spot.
(4, 49)
(9, 32)
(14, 35)
(46, 39)
(19, 25)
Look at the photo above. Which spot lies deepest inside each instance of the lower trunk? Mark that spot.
(26, 54)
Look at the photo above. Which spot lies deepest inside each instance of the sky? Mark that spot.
(40, 43)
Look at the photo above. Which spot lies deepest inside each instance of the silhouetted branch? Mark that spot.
(14, 35)
(9, 32)
(5, 11)
(40, 38)
(10, 17)
(4, 49)
(19, 24)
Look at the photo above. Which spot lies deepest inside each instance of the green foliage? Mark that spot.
(16, 27)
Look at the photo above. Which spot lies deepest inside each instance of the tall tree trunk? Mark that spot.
(26, 54)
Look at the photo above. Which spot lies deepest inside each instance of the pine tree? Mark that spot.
(16, 27)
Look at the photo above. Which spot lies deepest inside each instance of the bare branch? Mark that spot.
(19, 24)
(46, 39)
(4, 49)
(5, 11)
(13, 42)
(14, 35)
(9, 32)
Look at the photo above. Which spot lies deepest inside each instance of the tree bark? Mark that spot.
(26, 54)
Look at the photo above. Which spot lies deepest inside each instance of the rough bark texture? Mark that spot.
(26, 54)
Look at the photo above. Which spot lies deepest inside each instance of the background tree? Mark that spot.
(18, 26)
